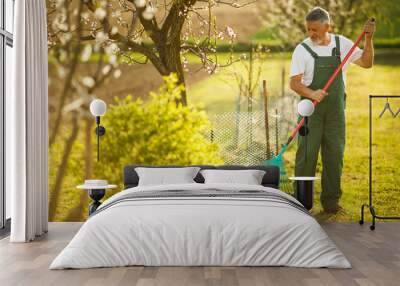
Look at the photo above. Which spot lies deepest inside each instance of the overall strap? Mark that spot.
(336, 50)
(313, 54)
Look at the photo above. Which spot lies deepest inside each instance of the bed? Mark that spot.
(201, 224)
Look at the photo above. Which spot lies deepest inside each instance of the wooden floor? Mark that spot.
(375, 257)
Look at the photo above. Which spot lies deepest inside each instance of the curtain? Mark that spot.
(27, 124)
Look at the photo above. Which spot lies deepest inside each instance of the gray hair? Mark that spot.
(318, 14)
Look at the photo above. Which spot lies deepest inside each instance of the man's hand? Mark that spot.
(369, 29)
(318, 95)
(367, 58)
(297, 86)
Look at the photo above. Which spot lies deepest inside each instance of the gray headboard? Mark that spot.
(270, 179)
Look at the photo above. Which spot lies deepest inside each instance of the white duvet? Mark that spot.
(200, 231)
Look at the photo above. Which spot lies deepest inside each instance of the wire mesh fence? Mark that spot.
(248, 138)
(252, 136)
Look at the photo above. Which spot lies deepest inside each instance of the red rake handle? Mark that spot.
(330, 81)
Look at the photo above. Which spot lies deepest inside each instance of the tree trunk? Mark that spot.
(171, 58)
(71, 73)
(77, 214)
(55, 193)
(169, 47)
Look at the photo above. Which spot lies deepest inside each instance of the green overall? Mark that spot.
(327, 129)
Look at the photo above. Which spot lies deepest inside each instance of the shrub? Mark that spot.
(160, 131)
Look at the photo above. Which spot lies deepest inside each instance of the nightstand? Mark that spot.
(305, 190)
(97, 190)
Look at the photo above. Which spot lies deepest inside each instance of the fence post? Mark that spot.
(283, 82)
(276, 132)
(265, 93)
(237, 130)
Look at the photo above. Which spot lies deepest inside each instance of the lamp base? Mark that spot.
(96, 195)
(305, 193)
(304, 130)
(100, 130)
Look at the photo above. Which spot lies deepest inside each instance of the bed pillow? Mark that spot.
(248, 177)
(166, 176)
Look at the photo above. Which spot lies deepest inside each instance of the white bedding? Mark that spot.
(200, 231)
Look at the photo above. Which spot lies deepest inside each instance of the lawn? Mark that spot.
(219, 93)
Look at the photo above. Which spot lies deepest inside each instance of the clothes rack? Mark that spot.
(370, 204)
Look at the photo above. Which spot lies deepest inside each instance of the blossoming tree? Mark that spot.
(106, 33)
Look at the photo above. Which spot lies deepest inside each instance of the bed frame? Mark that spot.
(270, 179)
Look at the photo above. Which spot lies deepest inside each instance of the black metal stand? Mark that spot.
(100, 131)
(305, 193)
(303, 131)
(96, 195)
(370, 204)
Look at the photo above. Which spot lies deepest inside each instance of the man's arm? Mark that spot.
(367, 57)
(297, 86)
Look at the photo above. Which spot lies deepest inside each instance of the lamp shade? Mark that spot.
(98, 107)
(305, 108)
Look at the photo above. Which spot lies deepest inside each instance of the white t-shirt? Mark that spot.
(303, 62)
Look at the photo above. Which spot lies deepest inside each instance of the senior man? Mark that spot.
(313, 62)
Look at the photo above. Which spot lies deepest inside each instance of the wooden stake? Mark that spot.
(265, 94)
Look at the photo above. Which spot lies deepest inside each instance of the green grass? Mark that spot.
(217, 93)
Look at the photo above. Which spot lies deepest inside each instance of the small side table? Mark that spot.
(96, 193)
(305, 190)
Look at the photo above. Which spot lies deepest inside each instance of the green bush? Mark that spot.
(156, 132)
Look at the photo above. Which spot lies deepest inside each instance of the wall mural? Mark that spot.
(209, 82)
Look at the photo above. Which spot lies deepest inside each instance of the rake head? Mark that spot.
(278, 161)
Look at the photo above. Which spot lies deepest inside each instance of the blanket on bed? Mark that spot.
(203, 225)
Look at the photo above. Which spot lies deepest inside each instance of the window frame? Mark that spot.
(6, 39)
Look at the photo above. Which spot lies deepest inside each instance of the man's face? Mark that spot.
(317, 30)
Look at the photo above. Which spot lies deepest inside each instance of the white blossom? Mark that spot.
(100, 13)
(114, 30)
(117, 73)
(231, 33)
(140, 3)
(111, 49)
(112, 59)
(137, 40)
(85, 16)
(149, 13)
(116, 13)
(106, 69)
(63, 26)
(86, 53)
(61, 71)
(88, 81)
(101, 37)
